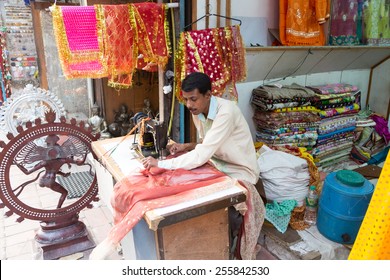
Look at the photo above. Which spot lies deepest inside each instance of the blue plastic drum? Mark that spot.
(342, 205)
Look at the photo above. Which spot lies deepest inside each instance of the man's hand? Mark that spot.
(149, 162)
(177, 147)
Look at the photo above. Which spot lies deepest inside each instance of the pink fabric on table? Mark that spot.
(136, 194)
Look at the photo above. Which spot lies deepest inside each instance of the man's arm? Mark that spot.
(216, 136)
(174, 148)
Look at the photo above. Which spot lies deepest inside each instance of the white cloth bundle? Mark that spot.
(284, 176)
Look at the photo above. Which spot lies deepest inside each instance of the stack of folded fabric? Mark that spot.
(371, 137)
(283, 116)
(337, 106)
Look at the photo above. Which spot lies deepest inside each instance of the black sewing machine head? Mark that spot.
(153, 138)
(161, 139)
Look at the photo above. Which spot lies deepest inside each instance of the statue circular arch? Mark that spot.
(18, 146)
(28, 105)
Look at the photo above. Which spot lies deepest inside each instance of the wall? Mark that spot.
(73, 93)
(257, 17)
(20, 43)
(379, 96)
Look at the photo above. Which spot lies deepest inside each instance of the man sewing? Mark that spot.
(225, 141)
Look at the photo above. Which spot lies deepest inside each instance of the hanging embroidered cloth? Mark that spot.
(217, 52)
(233, 51)
(119, 36)
(80, 51)
(153, 35)
(301, 22)
(106, 40)
(5, 74)
(345, 22)
(377, 22)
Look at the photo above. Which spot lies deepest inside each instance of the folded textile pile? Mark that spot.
(336, 99)
(271, 97)
(338, 105)
(284, 176)
(371, 136)
(283, 115)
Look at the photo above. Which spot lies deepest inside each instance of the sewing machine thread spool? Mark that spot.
(146, 138)
(148, 141)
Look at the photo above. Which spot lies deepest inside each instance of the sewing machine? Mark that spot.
(153, 138)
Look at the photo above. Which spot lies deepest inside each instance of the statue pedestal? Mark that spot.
(62, 239)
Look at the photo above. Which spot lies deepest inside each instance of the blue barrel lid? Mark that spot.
(349, 182)
(350, 178)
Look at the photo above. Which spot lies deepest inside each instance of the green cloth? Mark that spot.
(279, 214)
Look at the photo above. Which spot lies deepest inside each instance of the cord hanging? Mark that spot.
(208, 15)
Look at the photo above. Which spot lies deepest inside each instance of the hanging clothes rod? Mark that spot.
(208, 15)
(172, 5)
(169, 5)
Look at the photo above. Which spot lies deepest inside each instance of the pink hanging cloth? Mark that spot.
(79, 48)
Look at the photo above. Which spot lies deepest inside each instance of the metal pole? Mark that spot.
(182, 24)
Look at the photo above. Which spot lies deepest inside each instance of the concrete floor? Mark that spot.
(17, 239)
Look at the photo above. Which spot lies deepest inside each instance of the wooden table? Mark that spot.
(197, 229)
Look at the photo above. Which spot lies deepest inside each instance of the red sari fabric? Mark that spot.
(2, 74)
(119, 38)
(217, 52)
(153, 35)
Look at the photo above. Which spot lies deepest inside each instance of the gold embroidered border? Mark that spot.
(67, 57)
(147, 45)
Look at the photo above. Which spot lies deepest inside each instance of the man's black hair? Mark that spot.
(196, 80)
